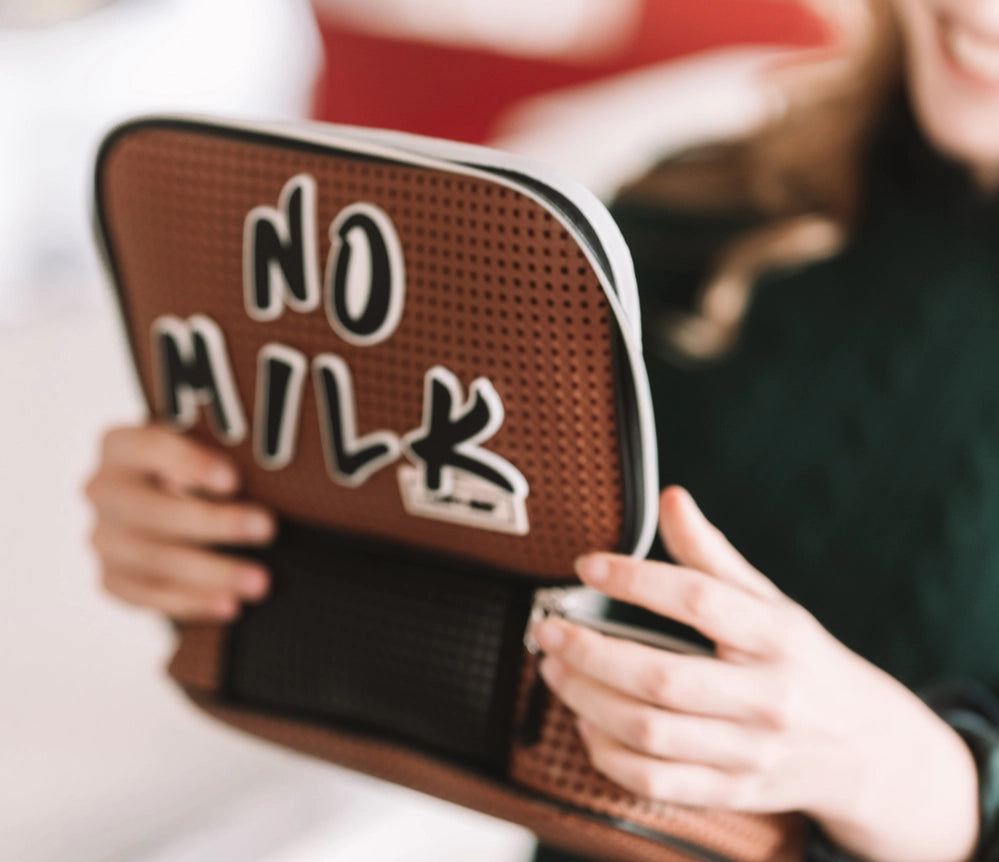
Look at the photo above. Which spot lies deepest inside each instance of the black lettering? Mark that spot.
(365, 261)
(280, 253)
(451, 433)
(350, 459)
(194, 371)
(280, 377)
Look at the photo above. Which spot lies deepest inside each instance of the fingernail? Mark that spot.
(258, 525)
(550, 636)
(673, 496)
(685, 498)
(592, 568)
(253, 583)
(553, 671)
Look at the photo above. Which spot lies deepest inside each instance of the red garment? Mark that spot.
(457, 93)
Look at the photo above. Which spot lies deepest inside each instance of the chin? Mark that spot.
(952, 49)
(969, 135)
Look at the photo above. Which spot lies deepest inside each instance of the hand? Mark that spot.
(161, 501)
(783, 717)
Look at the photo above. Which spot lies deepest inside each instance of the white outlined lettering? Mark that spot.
(365, 283)
(280, 259)
(281, 373)
(451, 432)
(350, 459)
(191, 369)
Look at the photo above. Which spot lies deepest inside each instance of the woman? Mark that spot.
(821, 303)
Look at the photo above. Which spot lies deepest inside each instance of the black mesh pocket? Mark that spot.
(382, 642)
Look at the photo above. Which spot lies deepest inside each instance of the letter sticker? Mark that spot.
(365, 276)
(350, 459)
(281, 373)
(280, 260)
(191, 369)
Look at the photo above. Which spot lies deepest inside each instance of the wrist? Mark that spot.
(920, 805)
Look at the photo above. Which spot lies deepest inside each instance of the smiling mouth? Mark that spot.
(971, 52)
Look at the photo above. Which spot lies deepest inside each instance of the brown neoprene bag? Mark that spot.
(426, 358)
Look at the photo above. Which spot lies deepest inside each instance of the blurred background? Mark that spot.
(101, 759)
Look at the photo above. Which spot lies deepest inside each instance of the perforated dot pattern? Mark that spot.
(405, 650)
(550, 768)
(557, 767)
(495, 288)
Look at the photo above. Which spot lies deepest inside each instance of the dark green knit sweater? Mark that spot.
(849, 445)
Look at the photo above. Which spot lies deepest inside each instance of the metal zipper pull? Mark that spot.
(585, 606)
(548, 602)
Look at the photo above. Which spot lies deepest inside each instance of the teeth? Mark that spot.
(978, 56)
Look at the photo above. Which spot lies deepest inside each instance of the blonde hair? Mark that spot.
(801, 173)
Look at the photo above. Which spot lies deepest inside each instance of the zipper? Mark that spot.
(586, 607)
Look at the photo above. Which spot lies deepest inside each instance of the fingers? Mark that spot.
(159, 501)
(677, 782)
(689, 684)
(171, 458)
(187, 567)
(652, 731)
(178, 602)
(126, 503)
(719, 610)
(694, 541)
